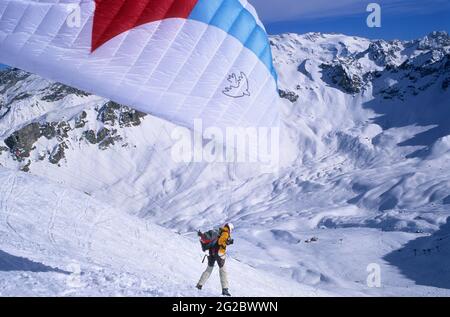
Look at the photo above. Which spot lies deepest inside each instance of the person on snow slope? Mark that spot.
(216, 242)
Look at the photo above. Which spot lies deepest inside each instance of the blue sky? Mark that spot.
(401, 19)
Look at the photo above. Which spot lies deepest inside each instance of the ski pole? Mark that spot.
(204, 259)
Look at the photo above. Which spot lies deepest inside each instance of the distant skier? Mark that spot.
(216, 242)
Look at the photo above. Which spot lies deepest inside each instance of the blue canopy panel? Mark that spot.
(233, 18)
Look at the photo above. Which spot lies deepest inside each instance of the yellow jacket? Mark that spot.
(223, 239)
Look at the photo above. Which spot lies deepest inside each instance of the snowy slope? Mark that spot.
(49, 233)
(366, 160)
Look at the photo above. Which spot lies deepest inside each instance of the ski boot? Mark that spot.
(225, 292)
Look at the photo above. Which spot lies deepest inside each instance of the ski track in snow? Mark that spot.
(11, 185)
(51, 225)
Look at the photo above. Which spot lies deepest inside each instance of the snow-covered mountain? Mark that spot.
(365, 172)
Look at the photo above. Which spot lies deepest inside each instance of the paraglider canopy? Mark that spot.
(180, 60)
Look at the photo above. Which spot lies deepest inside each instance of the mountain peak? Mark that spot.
(435, 40)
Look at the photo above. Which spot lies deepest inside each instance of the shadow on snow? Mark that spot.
(425, 260)
(9, 263)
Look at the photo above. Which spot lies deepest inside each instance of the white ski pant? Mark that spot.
(222, 273)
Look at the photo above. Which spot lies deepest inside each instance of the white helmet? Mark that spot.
(230, 226)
